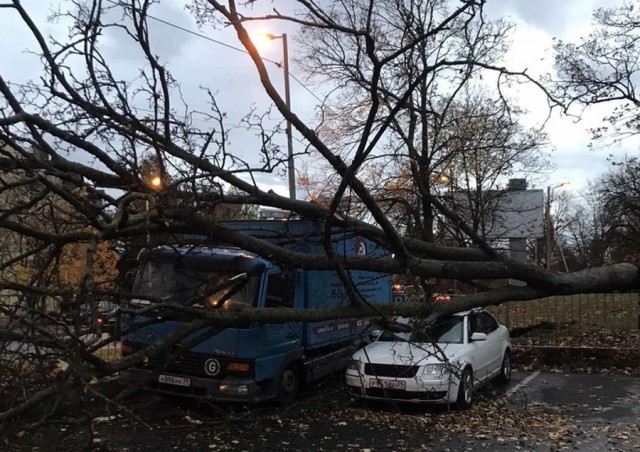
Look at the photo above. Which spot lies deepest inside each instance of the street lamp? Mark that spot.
(156, 184)
(548, 218)
(287, 97)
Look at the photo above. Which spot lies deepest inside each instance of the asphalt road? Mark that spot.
(535, 412)
(602, 411)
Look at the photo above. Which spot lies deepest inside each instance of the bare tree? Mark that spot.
(79, 134)
(423, 64)
(602, 68)
(619, 195)
(584, 228)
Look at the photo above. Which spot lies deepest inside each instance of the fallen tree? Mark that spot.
(73, 144)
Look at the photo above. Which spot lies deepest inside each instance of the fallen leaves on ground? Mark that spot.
(330, 421)
(565, 349)
(569, 335)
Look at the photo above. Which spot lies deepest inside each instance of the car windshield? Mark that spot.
(447, 330)
(190, 286)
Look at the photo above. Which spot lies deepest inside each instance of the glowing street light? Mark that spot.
(261, 40)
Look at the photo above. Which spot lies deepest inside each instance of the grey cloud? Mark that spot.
(166, 41)
(580, 164)
(552, 16)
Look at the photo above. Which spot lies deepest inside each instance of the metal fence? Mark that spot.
(609, 320)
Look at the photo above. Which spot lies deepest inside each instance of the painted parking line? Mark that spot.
(522, 383)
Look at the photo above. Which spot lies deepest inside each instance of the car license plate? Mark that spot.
(387, 384)
(173, 380)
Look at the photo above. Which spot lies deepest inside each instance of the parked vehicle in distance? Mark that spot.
(251, 362)
(104, 315)
(440, 363)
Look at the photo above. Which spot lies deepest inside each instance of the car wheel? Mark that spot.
(465, 390)
(288, 385)
(505, 370)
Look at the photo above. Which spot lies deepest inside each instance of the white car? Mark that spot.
(441, 363)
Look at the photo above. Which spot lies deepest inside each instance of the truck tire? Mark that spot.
(288, 385)
(465, 390)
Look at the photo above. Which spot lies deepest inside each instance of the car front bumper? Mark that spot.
(416, 389)
(229, 389)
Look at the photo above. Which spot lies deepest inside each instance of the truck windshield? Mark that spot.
(171, 282)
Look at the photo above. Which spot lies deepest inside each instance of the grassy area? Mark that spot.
(585, 311)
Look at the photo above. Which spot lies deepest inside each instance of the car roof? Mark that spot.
(469, 311)
(401, 319)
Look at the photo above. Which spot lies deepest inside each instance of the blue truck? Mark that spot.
(253, 362)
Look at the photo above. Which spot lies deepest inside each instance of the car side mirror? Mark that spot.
(478, 337)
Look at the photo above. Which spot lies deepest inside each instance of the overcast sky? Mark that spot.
(537, 23)
(198, 62)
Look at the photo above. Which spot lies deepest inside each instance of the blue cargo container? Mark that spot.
(255, 362)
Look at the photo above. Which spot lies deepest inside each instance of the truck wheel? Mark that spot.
(465, 390)
(288, 385)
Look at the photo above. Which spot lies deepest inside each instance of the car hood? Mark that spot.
(406, 353)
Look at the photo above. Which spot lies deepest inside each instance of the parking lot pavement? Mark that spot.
(587, 396)
(593, 411)
(535, 412)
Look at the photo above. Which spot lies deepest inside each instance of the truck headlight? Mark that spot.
(435, 370)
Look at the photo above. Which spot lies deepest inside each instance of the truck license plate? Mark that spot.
(387, 384)
(173, 380)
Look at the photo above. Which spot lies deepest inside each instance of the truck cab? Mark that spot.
(250, 362)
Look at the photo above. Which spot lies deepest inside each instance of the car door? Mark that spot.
(493, 344)
(478, 350)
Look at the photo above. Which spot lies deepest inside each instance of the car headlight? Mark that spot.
(435, 370)
(355, 365)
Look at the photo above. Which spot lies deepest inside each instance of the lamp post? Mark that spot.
(548, 219)
(156, 184)
(287, 99)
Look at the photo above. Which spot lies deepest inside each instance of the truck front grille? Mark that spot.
(188, 363)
